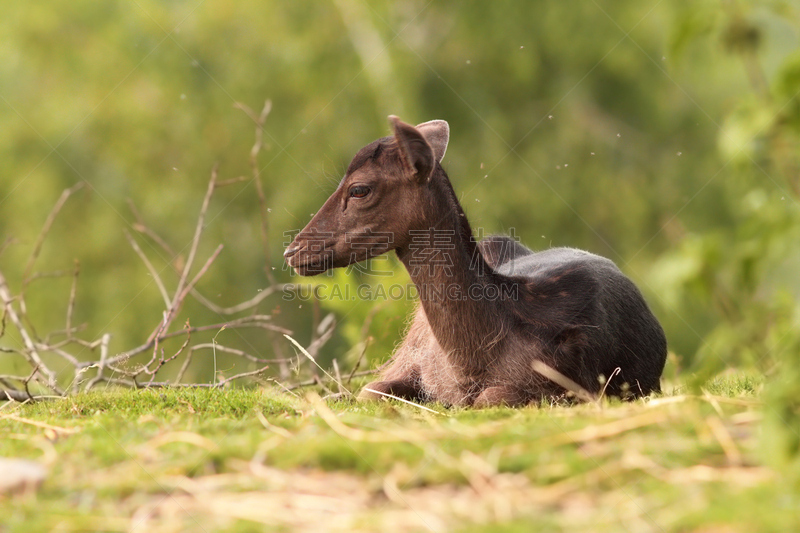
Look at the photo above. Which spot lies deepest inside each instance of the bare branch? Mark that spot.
(244, 306)
(6, 243)
(14, 395)
(262, 200)
(37, 248)
(141, 227)
(257, 321)
(73, 291)
(30, 352)
(150, 268)
(198, 231)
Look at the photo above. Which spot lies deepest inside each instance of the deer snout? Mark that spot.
(291, 250)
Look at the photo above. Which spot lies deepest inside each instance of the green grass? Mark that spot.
(254, 460)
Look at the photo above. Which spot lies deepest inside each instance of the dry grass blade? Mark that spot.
(310, 358)
(183, 436)
(611, 429)
(563, 381)
(725, 440)
(360, 435)
(36, 423)
(407, 402)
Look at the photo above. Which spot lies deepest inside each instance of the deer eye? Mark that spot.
(359, 191)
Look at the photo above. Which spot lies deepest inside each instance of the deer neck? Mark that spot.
(452, 277)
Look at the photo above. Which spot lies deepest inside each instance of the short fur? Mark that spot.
(573, 310)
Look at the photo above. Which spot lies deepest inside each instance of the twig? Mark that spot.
(150, 268)
(258, 321)
(225, 381)
(141, 227)
(101, 366)
(262, 202)
(27, 380)
(3, 320)
(237, 352)
(37, 247)
(163, 361)
(181, 290)
(73, 291)
(360, 358)
(13, 395)
(244, 306)
(6, 244)
(30, 353)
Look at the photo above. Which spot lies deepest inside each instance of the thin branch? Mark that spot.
(73, 291)
(9, 395)
(248, 321)
(244, 306)
(156, 278)
(141, 227)
(198, 231)
(6, 243)
(27, 380)
(262, 201)
(225, 381)
(101, 366)
(237, 352)
(200, 274)
(30, 353)
(37, 247)
(163, 361)
(360, 358)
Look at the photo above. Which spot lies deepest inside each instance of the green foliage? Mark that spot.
(746, 271)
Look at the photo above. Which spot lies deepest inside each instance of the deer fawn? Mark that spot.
(490, 309)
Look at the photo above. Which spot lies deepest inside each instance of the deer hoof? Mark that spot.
(372, 391)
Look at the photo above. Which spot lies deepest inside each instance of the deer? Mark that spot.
(488, 309)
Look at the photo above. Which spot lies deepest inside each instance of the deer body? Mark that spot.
(487, 309)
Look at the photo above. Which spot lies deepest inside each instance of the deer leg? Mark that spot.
(408, 389)
(500, 395)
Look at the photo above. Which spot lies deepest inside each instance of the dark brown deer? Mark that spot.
(490, 309)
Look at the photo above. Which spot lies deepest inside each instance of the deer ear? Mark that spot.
(437, 133)
(414, 149)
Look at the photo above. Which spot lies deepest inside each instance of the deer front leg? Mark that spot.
(401, 376)
(408, 389)
(500, 395)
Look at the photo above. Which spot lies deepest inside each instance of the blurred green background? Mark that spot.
(663, 135)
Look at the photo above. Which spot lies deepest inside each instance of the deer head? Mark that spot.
(381, 198)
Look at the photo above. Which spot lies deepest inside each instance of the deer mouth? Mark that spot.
(310, 268)
(307, 263)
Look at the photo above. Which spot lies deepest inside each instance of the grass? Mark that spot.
(258, 459)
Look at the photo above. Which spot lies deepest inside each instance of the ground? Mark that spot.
(265, 460)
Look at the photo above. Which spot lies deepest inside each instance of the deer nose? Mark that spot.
(291, 250)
